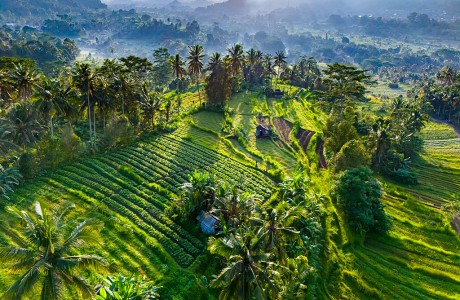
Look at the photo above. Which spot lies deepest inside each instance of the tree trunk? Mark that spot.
(89, 116)
(51, 127)
(94, 120)
(198, 86)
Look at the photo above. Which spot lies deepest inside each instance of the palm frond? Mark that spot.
(25, 283)
(83, 233)
(15, 254)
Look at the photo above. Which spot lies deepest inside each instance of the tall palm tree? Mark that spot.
(24, 79)
(249, 271)
(150, 104)
(214, 61)
(177, 66)
(6, 144)
(280, 62)
(236, 58)
(48, 104)
(84, 78)
(48, 256)
(23, 126)
(268, 67)
(195, 64)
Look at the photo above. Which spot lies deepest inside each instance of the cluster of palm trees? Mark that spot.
(263, 246)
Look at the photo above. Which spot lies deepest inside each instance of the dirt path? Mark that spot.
(455, 128)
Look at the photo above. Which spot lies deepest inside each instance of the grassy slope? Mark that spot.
(420, 257)
(131, 205)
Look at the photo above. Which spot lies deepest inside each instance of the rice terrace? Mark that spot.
(229, 150)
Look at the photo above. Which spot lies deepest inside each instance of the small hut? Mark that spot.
(278, 94)
(209, 223)
(262, 131)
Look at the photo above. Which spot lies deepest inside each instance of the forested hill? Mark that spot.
(45, 8)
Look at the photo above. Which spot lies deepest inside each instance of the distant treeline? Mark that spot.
(44, 8)
(28, 42)
(415, 24)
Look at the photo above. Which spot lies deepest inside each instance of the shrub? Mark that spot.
(403, 176)
(352, 155)
(27, 165)
(358, 194)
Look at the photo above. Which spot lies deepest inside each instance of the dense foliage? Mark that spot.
(359, 195)
(46, 253)
(48, 51)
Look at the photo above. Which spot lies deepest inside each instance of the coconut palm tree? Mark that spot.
(177, 66)
(249, 272)
(9, 177)
(23, 126)
(280, 62)
(6, 145)
(48, 104)
(276, 230)
(195, 64)
(214, 61)
(150, 104)
(236, 58)
(85, 79)
(48, 256)
(24, 79)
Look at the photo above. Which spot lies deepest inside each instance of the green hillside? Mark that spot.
(129, 190)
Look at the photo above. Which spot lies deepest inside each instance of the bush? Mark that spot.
(352, 155)
(27, 165)
(403, 176)
(116, 133)
(358, 194)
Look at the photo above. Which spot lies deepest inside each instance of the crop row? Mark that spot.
(136, 214)
(144, 198)
(226, 168)
(137, 199)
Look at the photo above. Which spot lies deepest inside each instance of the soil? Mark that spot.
(284, 128)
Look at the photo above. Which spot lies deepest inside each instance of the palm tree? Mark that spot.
(84, 78)
(6, 145)
(199, 193)
(280, 62)
(24, 78)
(214, 61)
(48, 104)
(276, 231)
(9, 177)
(150, 103)
(233, 207)
(236, 58)
(249, 272)
(177, 65)
(268, 67)
(23, 126)
(195, 64)
(47, 256)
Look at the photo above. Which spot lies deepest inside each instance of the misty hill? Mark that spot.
(47, 8)
(439, 8)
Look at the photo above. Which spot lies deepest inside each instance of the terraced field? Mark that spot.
(133, 187)
(420, 257)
